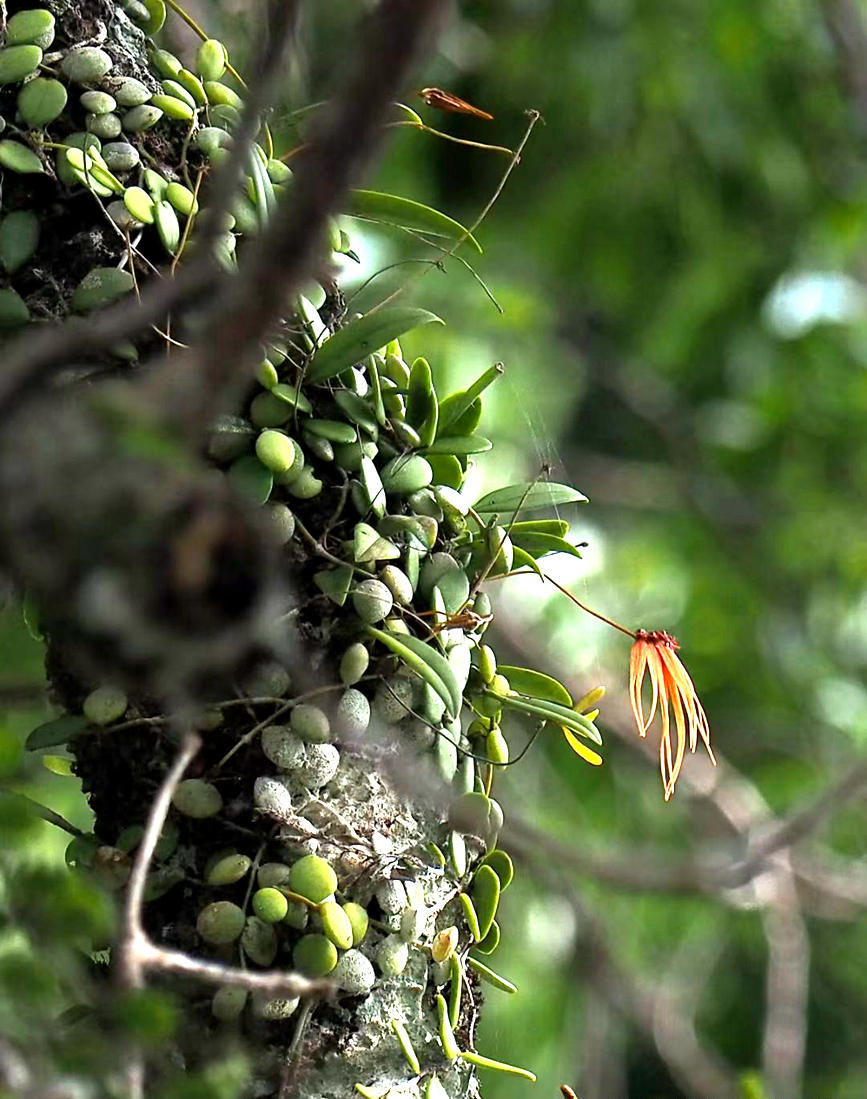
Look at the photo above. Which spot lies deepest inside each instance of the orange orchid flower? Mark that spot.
(655, 654)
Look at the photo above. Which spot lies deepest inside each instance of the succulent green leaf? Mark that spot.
(486, 897)
(375, 368)
(458, 852)
(491, 941)
(499, 1066)
(551, 711)
(361, 337)
(19, 238)
(447, 1034)
(406, 1045)
(251, 479)
(18, 158)
(373, 488)
(457, 404)
(538, 494)
(431, 665)
(59, 731)
(16, 62)
(472, 917)
(459, 444)
(406, 213)
(457, 983)
(157, 12)
(167, 226)
(558, 527)
(502, 865)
(357, 410)
(40, 101)
(335, 583)
(490, 976)
(522, 560)
(526, 681)
(13, 310)
(99, 287)
(537, 545)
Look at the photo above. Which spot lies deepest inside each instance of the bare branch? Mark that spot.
(129, 964)
(274, 983)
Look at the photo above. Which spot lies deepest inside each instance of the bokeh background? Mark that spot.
(678, 268)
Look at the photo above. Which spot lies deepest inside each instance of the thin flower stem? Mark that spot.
(589, 610)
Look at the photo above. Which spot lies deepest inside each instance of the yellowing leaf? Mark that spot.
(587, 754)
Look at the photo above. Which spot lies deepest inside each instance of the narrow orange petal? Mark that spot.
(637, 668)
(698, 722)
(680, 722)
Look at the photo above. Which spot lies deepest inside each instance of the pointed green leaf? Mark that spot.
(537, 545)
(490, 976)
(335, 583)
(558, 527)
(456, 404)
(459, 444)
(526, 681)
(425, 661)
(539, 494)
(372, 485)
(357, 410)
(522, 559)
(406, 213)
(59, 731)
(499, 1066)
(550, 711)
(361, 337)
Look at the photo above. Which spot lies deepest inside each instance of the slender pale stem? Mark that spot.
(589, 610)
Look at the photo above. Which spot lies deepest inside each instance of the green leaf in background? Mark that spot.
(530, 494)
(433, 668)
(358, 339)
(406, 213)
(535, 684)
(551, 711)
(59, 731)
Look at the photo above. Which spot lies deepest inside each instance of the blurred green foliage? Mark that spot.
(679, 260)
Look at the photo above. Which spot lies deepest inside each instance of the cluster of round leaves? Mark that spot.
(105, 154)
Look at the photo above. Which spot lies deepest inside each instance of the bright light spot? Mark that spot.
(801, 301)
(843, 703)
(551, 928)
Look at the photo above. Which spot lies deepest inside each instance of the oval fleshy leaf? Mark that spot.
(539, 494)
(358, 339)
(526, 681)
(406, 213)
